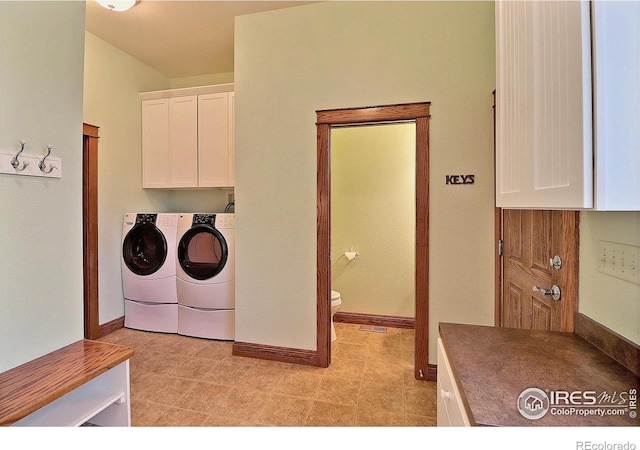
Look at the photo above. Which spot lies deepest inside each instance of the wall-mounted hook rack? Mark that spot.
(15, 162)
(42, 166)
(31, 165)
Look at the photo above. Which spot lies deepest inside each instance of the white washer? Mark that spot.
(149, 271)
(205, 275)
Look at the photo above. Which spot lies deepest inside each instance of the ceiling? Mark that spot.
(177, 38)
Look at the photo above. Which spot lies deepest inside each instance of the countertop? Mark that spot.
(36, 383)
(493, 366)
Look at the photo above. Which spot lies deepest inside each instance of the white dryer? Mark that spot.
(149, 271)
(205, 275)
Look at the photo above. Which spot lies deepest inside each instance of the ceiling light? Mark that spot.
(117, 5)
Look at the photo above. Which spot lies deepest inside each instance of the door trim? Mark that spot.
(326, 119)
(90, 229)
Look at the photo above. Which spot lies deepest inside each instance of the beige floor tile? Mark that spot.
(339, 390)
(350, 334)
(187, 346)
(184, 417)
(283, 410)
(216, 350)
(384, 398)
(170, 362)
(204, 397)
(144, 414)
(325, 414)
(224, 421)
(419, 401)
(378, 418)
(228, 372)
(410, 379)
(346, 369)
(382, 373)
(351, 351)
(183, 381)
(256, 377)
(419, 421)
(299, 384)
(193, 368)
(243, 404)
(164, 390)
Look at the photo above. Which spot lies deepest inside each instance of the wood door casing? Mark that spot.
(531, 238)
(418, 112)
(90, 230)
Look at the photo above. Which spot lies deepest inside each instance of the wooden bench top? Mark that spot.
(27, 388)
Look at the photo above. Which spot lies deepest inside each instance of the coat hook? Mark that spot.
(42, 166)
(15, 163)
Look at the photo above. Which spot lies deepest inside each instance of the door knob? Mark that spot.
(554, 292)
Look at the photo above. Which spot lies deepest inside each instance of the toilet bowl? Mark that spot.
(336, 301)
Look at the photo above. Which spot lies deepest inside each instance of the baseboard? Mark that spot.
(110, 327)
(432, 372)
(375, 320)
(608, 341)
(272, 353)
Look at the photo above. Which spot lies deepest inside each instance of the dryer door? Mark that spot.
(202, 252)
(144, 249)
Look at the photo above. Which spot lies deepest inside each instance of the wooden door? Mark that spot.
(531, 238)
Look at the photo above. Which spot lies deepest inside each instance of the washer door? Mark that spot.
(202, 252)
(144, 249)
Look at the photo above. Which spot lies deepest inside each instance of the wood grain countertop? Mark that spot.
(28, 387)
(493, 366)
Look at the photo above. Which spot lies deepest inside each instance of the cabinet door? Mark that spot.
(183, 141)
(232, 141)
(543, 105)
(213, 129)
(155, 143)
(451, 411)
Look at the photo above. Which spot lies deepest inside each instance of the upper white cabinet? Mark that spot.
(558, 146)
(187, 138)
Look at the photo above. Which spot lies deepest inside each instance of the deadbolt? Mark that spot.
(556, 262)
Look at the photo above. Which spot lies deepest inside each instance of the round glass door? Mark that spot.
(202, 252)
(144, 249)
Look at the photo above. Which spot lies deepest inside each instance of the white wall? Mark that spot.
(41, 71)
(113, 81)
(292, 62)
(373, 198)
(613, 302)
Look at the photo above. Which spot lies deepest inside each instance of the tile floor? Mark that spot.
(183, 381)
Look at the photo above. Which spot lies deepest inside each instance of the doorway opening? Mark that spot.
(373, 223)
(417, 113)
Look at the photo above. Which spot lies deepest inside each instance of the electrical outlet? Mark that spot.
(619, 261)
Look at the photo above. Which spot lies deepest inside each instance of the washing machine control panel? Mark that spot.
(204, 219)
(145, 218)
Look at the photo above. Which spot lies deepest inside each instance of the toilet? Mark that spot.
(336, 301)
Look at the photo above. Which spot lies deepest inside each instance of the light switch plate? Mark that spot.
(619, 261)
